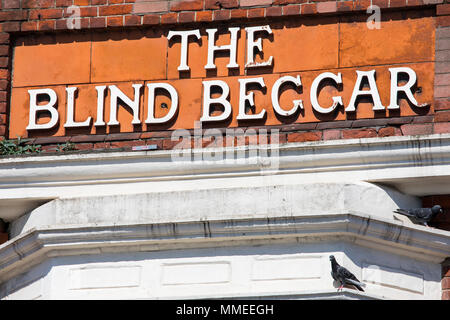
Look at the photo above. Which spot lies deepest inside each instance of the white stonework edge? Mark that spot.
(421, 243)
(416, 165)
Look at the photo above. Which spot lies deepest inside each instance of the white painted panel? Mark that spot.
(32, 291)
(94, 277)
(284, 268)
(196, 273)
(393, 278)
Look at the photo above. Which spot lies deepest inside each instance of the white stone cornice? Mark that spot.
(34, 246)
(321, 156)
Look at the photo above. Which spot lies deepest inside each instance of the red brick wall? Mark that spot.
(441, 222)
(23, 16)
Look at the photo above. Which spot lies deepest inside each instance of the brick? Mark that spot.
(37, 3)
(443, 44)
(423, 119)
(397, 3)
(186, 5)
(256, 13)
(443, 9)
(443, 55)
(2, 107)
(442, 104)
(334, 124)
(443, 21)
(156, 134)
(151, 19)
(442, 67)
(416, 129)
(203, 16)
(127, 144)
(331, 134)
(13, 26)
(381, 3)
(4, 62)
(151, 7)
(291, 10)
(304, 136)
(274, 11)
(442, 33)
(359, 133)
(442, 92)
(51, 140)
(114, 21)
(81, 2)
(299, 127)
(389, 131)
(442, 116)
(88, 12)
(29, 26)
(220, 15)
(2, 118)
(238, 14)
(442, 79)
(66, 3)
(361, 5)
(123, 136)
(11, 4)
(446, 270)
(4, 84)
(168, 144)
(2, 96)
(369, 123)
(326, 7)
(2, 130)
(116, 1)
(97, 22)
(252, 3)
(13, 15)
(446, 295)
(116, 9)
(441, 127)
(46, 25)
(169, 18)
(4, 38)
(221, 4)
(97, 2)
(132, 20)
(344, 6)
(84, 146)
(4, 50)
(102, 145)
(185, 17)
(45, 14)
(88, 138)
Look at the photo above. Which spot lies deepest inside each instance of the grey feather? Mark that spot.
(421, 215)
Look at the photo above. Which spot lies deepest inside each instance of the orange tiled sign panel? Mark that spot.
(93, 78)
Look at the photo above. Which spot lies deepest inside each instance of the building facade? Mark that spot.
(223, 149)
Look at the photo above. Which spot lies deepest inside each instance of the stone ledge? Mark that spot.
(421, 243)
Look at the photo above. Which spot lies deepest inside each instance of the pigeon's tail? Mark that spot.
(357, 284)
(403, 212)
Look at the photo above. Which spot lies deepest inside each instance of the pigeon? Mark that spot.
(343, 276)
(421, 215)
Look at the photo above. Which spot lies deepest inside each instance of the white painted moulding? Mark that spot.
(271, 201)
(319, 156)
(417, 242)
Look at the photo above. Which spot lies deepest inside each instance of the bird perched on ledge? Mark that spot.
(421, 215)
(343, 276)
